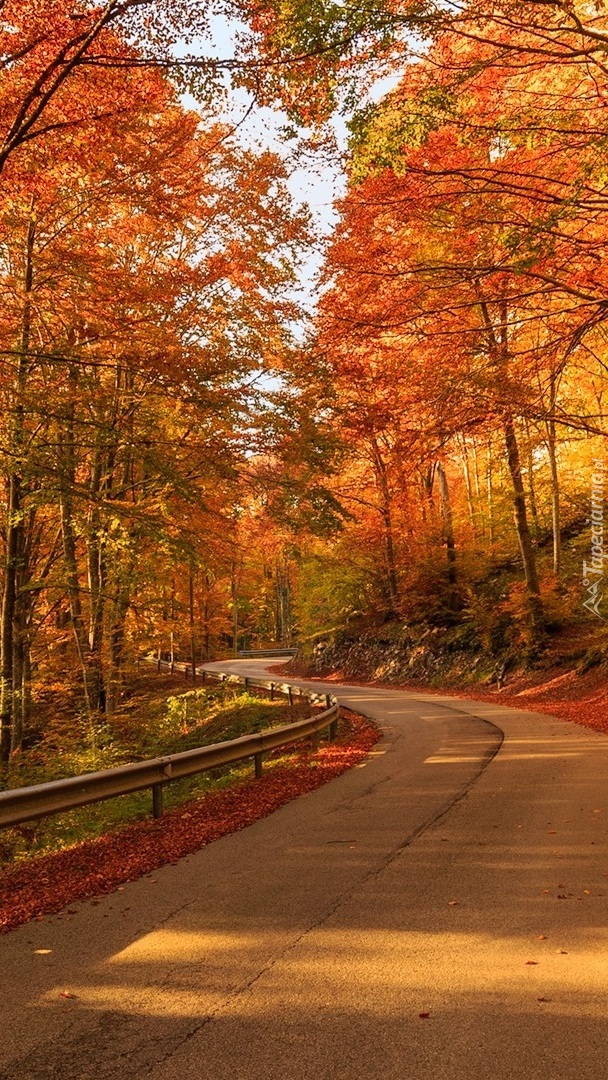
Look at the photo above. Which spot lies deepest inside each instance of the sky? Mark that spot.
(313, 180)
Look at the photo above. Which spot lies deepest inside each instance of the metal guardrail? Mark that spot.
(41, 800)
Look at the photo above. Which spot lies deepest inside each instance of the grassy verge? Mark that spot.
(154, 722)
(40, 887)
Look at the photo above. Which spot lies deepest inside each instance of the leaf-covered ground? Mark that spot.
(46, 885)
(581, 698)
(578, 694)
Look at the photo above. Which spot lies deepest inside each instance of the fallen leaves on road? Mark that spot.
(45, 885)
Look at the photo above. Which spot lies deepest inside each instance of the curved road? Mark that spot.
(438, 912)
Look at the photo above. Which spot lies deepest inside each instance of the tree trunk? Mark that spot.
(490, 493)
(191, 621)
(448, 528)
(521, 521)
(234, 592)
(531, 484)
(387, 521)
(498, 347)
(469, 487)
(14, 525)
(207, 618)
(9, 601)
(555, 492)
(90, 673)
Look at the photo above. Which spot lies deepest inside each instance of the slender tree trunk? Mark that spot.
(555, 491)
(234, 592)
(207, 618)
(448, 527)
(122, 600)
(476, 472)
(96, 576)
(14, 525)
(26, 689)
(498, 341)
(521, 520)
(9, 601)
(531, 483)
(18, 677)
(70, 556)
(469, 486)
(191, 621)
(490, 492)
(387, 521)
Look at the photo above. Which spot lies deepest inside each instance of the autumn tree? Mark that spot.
(146, 280)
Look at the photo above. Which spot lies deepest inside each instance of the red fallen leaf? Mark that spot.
(97, 867)
(66, 994)
(532, 962)
(424, 1016)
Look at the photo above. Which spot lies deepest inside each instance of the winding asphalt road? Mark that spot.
(438, 912)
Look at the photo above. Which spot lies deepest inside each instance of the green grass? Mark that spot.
(152, 726)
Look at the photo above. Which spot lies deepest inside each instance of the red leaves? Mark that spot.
(44, 886)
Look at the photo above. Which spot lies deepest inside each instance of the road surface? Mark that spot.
(438, 913)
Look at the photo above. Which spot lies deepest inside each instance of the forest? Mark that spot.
(196, 460)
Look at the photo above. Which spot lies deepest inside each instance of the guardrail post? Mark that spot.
(246, 683)
(290, 695)
(157, 800)
(272, 691)
(26, 804)
(328, 701)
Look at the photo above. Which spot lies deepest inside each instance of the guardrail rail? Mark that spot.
(18, 805)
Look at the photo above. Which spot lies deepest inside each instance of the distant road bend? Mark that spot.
(438, 912)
